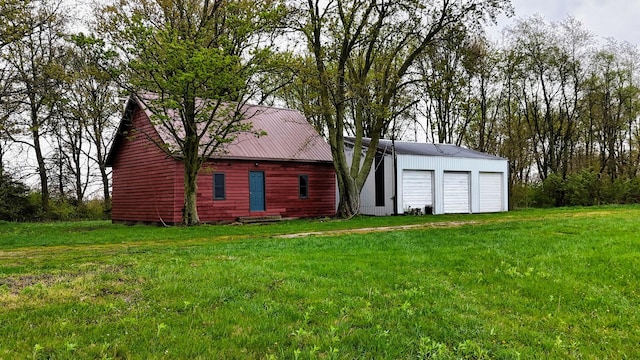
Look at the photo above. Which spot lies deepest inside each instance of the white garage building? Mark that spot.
(432, 178)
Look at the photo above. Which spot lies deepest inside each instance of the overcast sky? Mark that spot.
(619, 19)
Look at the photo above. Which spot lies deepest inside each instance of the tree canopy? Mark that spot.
(194, 62)
(363, 56)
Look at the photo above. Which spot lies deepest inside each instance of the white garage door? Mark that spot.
(456, 192)
(417, 189)
(491, 195)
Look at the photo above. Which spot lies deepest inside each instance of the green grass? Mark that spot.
(558, 283)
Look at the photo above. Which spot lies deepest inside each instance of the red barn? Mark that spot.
(288, 172)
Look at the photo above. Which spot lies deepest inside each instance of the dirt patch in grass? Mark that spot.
(446, 224)
(15, 285)
(90, 283)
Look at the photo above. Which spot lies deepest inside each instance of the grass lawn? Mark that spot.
(558, 283)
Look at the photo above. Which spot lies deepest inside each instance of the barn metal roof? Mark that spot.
(427, 149)
(289, 136)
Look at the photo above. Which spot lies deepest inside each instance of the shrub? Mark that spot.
(521, 196)
(15, 204)
(62, 209)
(93, 210)
(550, 192)
(633, 191)
(616, 192)
(586, 188)
(583, 189)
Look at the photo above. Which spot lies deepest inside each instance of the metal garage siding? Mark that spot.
(417, 189)
(491, 192)
(456, 192)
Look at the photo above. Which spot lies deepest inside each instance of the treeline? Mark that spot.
(559, 103)
(58, 110)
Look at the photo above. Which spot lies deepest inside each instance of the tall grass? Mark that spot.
(536, 284)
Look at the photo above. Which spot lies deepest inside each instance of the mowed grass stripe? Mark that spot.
(86, 233)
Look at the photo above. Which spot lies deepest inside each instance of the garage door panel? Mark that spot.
(491, 194)
(456, 192)
(417, 189)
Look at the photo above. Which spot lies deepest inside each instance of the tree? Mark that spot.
(37, 63)
(486, 97)
(611, 106)
(14, 25)
(363, 53)
(444, 83)
(15, 20)
(91, 109)
(517, 144)
(192, 64)
(550, 76)
(300, 90)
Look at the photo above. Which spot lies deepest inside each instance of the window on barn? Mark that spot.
(218, 186)
(303, 186)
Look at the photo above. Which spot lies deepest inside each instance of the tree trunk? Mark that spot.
(191, 169)
(100, 157)
(190, 210)
(105, 186)
(349, 204)
(1, 161)
(42, 172)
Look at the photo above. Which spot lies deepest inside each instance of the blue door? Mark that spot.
(256, 191)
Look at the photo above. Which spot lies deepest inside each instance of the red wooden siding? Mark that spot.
(281, 188)
(144, 178)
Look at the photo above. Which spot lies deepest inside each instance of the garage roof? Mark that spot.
(427, 149)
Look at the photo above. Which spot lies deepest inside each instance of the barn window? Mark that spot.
(303, 186)
(218, 186)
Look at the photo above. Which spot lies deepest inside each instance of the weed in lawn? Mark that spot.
(36, 349)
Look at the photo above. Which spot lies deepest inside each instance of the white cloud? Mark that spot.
(604, 18)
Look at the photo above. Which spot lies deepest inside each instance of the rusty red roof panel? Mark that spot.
(289, 136)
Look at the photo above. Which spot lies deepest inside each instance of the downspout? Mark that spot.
(395, 169)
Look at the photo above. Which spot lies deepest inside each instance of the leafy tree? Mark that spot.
(611, 107)
(195, 60)
(363, 54)
(91, 111)
(300, 89)
(486, 98)
(445, 82)
(14, 25)
(549, 76)
(516, 144)
(36, 61)
(15, 20)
